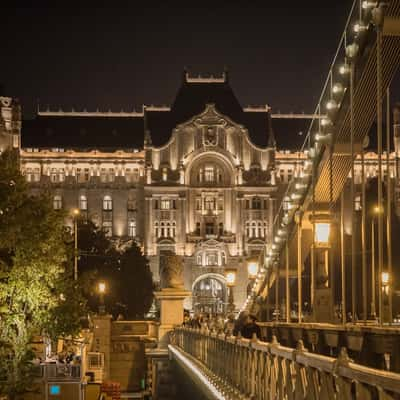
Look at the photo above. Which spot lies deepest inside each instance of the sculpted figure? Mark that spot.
(171, 271)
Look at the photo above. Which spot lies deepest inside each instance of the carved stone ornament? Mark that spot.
(210, 137)
(171, 271)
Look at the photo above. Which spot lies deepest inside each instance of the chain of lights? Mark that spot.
(320, 135)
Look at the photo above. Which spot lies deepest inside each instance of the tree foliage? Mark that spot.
(34, 268)
(125, 270)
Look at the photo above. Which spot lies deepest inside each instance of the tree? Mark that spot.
(126, 271)
(135, 282)
(33, 264)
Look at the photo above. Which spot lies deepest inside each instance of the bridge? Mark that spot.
(341, 340)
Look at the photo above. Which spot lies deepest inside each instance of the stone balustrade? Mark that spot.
(251, 369)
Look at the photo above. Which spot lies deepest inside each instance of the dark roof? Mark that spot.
(191, 100)
(91, 132)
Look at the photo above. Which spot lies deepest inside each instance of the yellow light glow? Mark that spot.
(377, 210)
(102, 287)
(385, 278)
(252, 268)
(322, 231)
(230, 276)
(75, 211)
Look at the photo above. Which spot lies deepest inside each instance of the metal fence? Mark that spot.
(243, 368)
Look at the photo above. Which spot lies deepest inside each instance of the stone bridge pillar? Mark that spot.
(171, 295)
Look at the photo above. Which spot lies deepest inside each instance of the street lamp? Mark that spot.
(230, 276)
(322, 232)
(75, 213)
(385, 278)
(252, 269)
(101, 287)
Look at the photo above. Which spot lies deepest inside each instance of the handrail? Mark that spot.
(266, 370)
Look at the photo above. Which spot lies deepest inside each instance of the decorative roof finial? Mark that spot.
(147, 136)
(271, 135)
(226, 74)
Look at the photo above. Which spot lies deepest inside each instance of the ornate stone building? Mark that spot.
(201, 179)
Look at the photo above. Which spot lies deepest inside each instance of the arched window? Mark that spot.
(199, 259)
(157, 232)
(82, 202)
(132, 228)
(57, 202)
(107, 203)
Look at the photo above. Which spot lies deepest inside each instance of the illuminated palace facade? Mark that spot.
(201, 178)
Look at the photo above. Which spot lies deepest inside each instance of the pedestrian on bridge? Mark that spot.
(250, 328)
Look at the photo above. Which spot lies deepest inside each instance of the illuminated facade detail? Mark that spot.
(189, 178)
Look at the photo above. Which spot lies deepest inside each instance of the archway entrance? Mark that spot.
(209, 296)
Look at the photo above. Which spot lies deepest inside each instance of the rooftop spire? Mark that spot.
(271, 135)
(147, 135)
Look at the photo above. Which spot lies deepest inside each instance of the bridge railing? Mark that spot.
(244, 368)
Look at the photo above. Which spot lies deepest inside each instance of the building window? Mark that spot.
(289, 175)
(211, 259)
(165, 229)
(57, 202)
(221, 229)
(223, 258)
(164, 174)
(198, 228)
(132, 228)
(83, 202)
(57, 175)
(256, 203)
(248, 228)
(82, 175)
(131, 205)
(209, 174)
(166, 204)
(209, 228)
(260, 231)
(103, 175)
(199, 259)
(209, 203)
(253, 229)
(107, 228)
(198, 203)
(107, 203)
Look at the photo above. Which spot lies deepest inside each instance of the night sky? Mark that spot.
(277, 52)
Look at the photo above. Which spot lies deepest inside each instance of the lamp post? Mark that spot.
(101, 287)
(376, 212)
(385, 278)
(75, 213)
(230, 276)
(320, 268)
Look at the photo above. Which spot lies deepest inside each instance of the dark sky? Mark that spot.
(277, 52)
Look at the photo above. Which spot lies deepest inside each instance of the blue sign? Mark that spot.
(55, 390)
